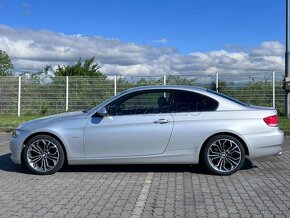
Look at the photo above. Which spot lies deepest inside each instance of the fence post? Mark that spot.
(164, 79)
(66, 94)
(274, 91)
(217, 81)
(19, 96)
(115, 85)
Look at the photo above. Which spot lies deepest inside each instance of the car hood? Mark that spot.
(40, 122)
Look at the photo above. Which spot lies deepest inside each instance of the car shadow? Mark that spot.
(6, 164)
(248, 165)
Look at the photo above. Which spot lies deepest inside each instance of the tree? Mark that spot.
(5, 64)
(86, 68)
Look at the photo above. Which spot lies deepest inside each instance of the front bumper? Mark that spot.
(264, 144)
(16, 146)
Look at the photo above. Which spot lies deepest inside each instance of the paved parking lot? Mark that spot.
(260, 189)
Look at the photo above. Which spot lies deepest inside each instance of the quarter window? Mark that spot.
(185, 101)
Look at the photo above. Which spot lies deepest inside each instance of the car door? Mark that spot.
(137, 124)
(192, 114)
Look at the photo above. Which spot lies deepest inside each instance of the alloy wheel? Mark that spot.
(43, 155)
(224, 155)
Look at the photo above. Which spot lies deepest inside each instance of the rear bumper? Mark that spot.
(264, 144)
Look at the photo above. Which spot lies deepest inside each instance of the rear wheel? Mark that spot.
(223, 155)
(43, 155)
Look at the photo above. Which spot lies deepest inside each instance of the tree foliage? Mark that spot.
(81, 68)
(5, 64)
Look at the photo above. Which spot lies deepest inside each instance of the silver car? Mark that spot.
(152, 125)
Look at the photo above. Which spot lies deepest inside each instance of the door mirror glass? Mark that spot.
(102, 112)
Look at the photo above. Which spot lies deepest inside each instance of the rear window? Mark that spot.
(228, 97)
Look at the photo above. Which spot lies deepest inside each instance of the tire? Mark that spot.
(223, 155)
(43, 155)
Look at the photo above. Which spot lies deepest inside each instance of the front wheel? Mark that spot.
(223, 155)
(43, 155)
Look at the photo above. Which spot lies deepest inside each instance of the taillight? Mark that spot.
(272, 120)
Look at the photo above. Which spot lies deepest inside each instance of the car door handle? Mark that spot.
(161, 121)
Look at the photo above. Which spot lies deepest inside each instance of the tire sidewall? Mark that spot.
(53, 140)
(205, 159)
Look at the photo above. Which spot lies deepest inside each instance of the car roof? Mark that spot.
(168, 87)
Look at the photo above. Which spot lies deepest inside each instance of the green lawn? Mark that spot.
(285, 125)
(9, 122)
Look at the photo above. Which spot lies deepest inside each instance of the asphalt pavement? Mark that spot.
(260, 189)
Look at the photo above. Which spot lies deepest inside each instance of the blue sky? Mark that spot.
(145, 35)
(188, 25)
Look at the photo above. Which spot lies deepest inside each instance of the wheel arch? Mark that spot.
(49, 134)
(224, 133)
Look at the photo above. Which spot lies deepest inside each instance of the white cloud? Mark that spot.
(269, 48)
(26, 8)
(162, 40)
(33, 49)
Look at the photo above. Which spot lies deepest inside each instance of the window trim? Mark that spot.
(173, 93)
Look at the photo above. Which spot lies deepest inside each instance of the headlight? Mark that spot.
(16, 133)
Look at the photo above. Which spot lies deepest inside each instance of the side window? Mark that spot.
(185, 101)
(141, 103)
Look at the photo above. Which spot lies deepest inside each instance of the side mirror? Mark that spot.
(102, 112)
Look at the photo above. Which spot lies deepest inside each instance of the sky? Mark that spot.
(146, 37)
